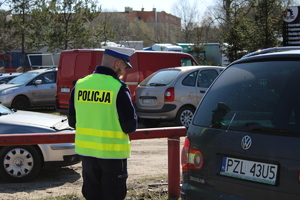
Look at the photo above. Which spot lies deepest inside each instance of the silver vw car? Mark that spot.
(30, 89)
(23, 163)
(173, 94)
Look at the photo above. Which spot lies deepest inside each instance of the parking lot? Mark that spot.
(147, 170)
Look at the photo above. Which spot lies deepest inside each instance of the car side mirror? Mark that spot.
(37, 82)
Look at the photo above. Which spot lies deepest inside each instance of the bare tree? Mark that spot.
(102, 28)
(188, 14)
(144, 32)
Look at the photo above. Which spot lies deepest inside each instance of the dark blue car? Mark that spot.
(244, 140)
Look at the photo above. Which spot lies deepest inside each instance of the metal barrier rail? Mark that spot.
(172, 133)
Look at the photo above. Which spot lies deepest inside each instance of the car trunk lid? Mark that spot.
(150, 97)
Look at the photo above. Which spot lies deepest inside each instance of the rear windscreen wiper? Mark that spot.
(257, 127)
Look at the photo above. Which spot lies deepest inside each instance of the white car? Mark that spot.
(23, 163)
(30, 89)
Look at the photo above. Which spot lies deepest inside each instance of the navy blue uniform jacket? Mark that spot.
(126, 111)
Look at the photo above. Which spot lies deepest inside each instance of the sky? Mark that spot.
(148, 5)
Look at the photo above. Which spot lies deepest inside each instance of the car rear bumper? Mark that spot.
(168, 111)
(165, 108)
(57, 152)
(60, 107)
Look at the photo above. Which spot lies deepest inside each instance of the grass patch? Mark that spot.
(143, 189)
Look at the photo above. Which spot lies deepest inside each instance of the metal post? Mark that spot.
(174, 167)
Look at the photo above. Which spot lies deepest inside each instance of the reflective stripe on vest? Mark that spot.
(98, 130)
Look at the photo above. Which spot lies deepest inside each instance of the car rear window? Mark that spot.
(258, 96)
(160, 78)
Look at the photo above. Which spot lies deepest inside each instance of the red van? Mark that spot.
(76, 63)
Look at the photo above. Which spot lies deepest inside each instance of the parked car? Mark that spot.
(5, 77)
(23, 163)
(173, 94)
(31, 89)
(243, 142)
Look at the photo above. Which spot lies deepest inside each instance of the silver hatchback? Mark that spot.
(173, 94)
(30, 89)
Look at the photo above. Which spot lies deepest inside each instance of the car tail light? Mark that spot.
(190, 158)
(169, 94)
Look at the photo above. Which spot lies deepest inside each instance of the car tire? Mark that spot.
(150, 123)
(184, 116)
(20, 163)
(21, 103)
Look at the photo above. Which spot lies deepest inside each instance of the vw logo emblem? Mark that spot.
(246, 142)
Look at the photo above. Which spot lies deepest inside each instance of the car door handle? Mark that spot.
(202, 91)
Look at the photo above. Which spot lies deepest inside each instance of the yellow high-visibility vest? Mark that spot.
(98, 130)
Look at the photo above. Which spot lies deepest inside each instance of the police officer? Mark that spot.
(101, 110)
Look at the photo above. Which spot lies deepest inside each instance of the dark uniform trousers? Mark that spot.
(104, 178)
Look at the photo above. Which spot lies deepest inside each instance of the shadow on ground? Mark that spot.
(48, 178)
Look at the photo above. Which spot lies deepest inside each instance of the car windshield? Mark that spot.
(258, 96)
(23, 78)
(160, 78)
(4, 110)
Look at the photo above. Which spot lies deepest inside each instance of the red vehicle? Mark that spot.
(74, 64)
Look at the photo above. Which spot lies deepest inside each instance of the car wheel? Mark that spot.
(20, 163)
(20, 103)
(150, 123)
(184, 116)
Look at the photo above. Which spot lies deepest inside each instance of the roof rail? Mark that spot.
(273, 49)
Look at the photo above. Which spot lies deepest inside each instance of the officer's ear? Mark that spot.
(117, 64)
